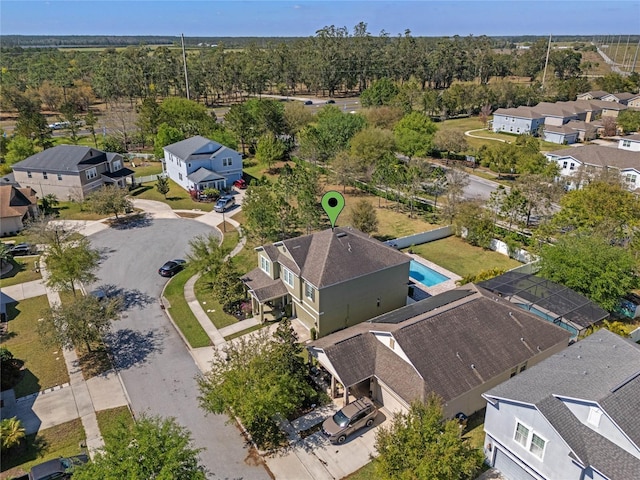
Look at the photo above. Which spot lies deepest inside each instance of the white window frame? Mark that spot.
(29, 174)
(565, 164)
(45, 175)
(59, 176)
(227, 162)
(180, 176)
(626, 143)
(91, 173)
(117, 165)
(537, 453)
(287, 276)
(526, 439)
(309, 291)
(265, 265)
(630, 178)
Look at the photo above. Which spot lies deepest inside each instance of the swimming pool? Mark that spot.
(425, 275)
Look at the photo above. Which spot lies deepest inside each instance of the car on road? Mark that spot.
(58, 468)
(240, 183)
(224, 203)
(170, 268)
(21, 249)
(331, 100)
(308, 102)
(359, 414)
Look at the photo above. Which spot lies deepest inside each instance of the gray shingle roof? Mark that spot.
(602, 156)
(204, 175)
(263, 286)
(443, 343)
(185, 148)
(63, 158)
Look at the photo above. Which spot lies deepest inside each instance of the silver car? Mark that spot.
(352, 417)
(224, 203)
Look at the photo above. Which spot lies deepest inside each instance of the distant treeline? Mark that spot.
(229, 42)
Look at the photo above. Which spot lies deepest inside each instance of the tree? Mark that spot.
(12, 432)
(450, 141)
(260, 208)
(166, 136)
(228, 289)
(206, 254)
(151, 447)
(610, 126)
(422, 445)
(90, 121)
(476, 222)
(18, 149)
(270, 150)
(363, 216)
(457, 180)
(629, 120)
(414, 134)
(540, 193)
(110, 199)
(81, 323)
(162, 185)
(11, 369)
(69, 115)
(71, 263)
(592, 266)
(370, 146)
(381, 92)
(514, 206)
(49, 202)
(258, 378)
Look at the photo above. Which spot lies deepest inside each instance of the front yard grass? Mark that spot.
(212, 308)
(60, 441)
(44, 366)
(182, 314)
(76, 211)
(110, 419)
(23, 271)
(177, 198)
(459, 257)
(145, 168)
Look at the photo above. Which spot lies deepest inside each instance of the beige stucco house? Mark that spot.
(330, 280)
(71, 172)
(457, 344)
(16, 206)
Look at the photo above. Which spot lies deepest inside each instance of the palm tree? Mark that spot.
(49, 202)
(12, 432)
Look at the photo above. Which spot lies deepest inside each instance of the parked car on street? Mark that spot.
(308, 102)
(21, 249)
(331, 100)
(224, 203)
(352, 417)
(170, 268)
(58, 468)
(240, 183)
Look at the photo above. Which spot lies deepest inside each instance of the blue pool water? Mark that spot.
(425, 275)
(548, 318)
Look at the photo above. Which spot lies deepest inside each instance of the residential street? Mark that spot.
(156, 368)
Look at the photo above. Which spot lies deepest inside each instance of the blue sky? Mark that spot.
(263, 18)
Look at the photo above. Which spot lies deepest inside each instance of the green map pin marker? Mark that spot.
(333, 203)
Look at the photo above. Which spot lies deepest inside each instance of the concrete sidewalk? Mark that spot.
(21, 291)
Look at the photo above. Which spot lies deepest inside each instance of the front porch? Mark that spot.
(270, 299)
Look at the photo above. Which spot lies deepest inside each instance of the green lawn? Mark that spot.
(182, 314)
(365, 473)
(459, 257)
(211, 307)
(148, 168)
(44, 365)
(109, 420)
(23, 271)
(60, 441)
(177, 198)
(76, 211)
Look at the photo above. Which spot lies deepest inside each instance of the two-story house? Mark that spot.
(16, 206)
(574, 416)
(71, 172)
(457, 344)
(198, 163)
(330, 280)
(578, 165)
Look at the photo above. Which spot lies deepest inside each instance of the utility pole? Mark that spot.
(635, 58)
(184, 59)
(546, 62)
(626, 49)
(616, 54)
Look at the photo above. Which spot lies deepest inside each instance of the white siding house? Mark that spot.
(519, 120)
(198, 163)
(630, 142)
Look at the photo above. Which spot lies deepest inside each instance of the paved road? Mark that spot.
(156, 368)
(479, 188)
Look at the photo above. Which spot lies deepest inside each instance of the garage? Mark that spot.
(509, 469)
(386, 397)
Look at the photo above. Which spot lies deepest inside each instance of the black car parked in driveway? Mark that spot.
(58, 468)
(172, 267)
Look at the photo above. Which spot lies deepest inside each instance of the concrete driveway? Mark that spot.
(155, 365)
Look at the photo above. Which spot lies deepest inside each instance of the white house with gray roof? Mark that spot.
(574, 416)
(71, 172)
(198, 163)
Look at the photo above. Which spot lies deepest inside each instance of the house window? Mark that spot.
(265, 265)
(564, 164)
(117, 165)
(189, 165)
(226, 162)
(179, 162)
(594, 416)
(91, 173)
(522, 435)
(287, 276)
(626, 143)
(514, 372)
(29, 175)
(511, 129)
(572, 166)
(45, 175)
(309, 291)
(180, 176)
(630, 178)
(60, 177)
(537, 445)
(523, 368)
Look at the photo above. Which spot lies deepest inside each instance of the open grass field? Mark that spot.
(60, 441)
(23, 271)
(182, 314)
(459, 257)
(44, 365)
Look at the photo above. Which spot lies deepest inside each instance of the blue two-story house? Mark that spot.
(573, 416)
(198, 163)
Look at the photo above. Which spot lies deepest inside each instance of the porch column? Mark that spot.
(346, 395)
(333, 387)
(262, 313)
